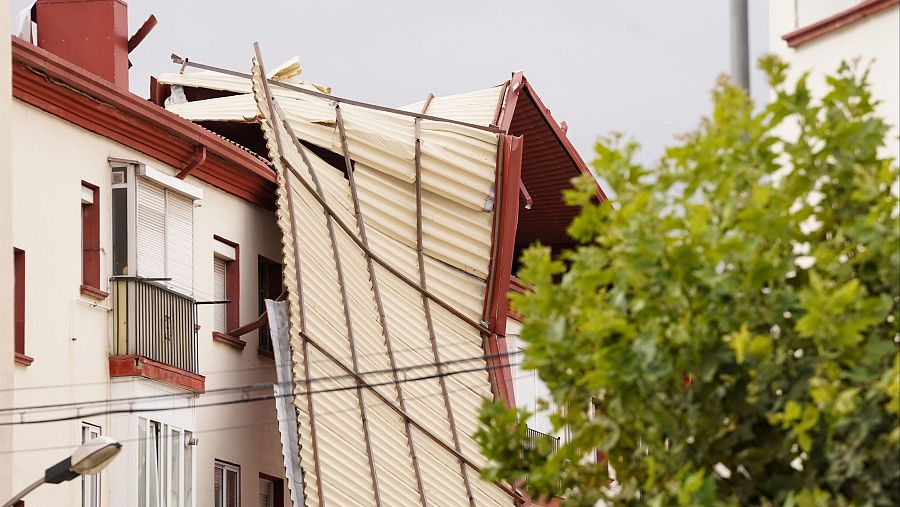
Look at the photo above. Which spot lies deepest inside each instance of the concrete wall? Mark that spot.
(69, 335)
(6, 290)
(874, 39)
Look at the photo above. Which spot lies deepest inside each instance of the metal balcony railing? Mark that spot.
(535, 440)
(155, 322)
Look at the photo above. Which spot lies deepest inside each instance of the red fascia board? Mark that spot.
(836, 22)
(498, 306)
(561, 136)
(69, 92)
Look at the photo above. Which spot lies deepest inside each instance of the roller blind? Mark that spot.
(219, 295)
(165, 235)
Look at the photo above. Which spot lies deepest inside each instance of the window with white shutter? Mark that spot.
(219, 323)
(266, 493)
(165, 235)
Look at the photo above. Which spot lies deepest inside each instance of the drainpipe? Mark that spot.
(740, 44)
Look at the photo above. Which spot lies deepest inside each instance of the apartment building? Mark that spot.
(139, 244)
(143, 244)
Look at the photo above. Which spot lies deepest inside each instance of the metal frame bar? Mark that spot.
(347, 318)
(426, 304)
(186, 63)
(297, 267)
(360, 222)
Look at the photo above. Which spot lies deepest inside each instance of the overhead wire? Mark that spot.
(244, 388)
(248, 399)
(256, 424)
(268, 367)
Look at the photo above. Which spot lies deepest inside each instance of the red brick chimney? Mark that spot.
(92, 34)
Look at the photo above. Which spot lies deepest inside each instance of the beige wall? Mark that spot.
(6, 328)
(69, 335)
(874, 39)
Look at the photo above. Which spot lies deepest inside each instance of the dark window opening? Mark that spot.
(19, 307)
(90, 240)
(270, 287)
(120, 222)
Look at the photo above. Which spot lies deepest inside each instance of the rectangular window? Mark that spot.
(164, 465)
(90, 241)
(153, 227)
(90, 484)
(270, 287)
(271, 491)
(226, 484)
(226, 285)
(19, 306)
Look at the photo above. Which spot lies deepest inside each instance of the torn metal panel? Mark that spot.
(279, 313)
(354, 446)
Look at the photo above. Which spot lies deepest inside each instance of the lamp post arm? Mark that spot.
(24, 492)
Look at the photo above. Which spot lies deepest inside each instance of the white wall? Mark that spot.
(6, 289)
(70, 338)
(873, 39)
(529, 387)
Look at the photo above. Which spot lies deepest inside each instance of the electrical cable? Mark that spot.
(245, 389)
(262, 423)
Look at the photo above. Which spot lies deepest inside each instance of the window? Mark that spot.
(90, 484)
(226, 484)
(226, 285)
(153, 227)
(165, 464)
(271, 491)
(90, 241)
(19, 306)
(270, 287)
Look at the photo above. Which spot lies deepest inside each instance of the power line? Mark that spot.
(132, 410)
(256, 424)
(270, 367)
(244, 388)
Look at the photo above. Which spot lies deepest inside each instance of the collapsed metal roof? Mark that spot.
(386, 263)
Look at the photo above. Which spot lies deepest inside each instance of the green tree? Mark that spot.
(734, 311)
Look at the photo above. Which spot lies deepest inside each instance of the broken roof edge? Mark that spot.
(516, 85)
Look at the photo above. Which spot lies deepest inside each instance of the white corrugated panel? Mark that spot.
(334, 286)
(219, 294)
(151, 229)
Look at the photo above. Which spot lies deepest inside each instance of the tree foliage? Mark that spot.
(734, 311)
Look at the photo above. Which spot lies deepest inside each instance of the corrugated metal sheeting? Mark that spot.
(404, 437)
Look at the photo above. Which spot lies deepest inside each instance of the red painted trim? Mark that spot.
(23, 359)
(836, 22)
(232, 286)
(231, 341)
(497, 308)
(87, 290)
(516, 285)
(58, 87)
(136, 366)
(90, 241)
(19, 303)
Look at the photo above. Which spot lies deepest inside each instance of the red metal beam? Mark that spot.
(836, 22)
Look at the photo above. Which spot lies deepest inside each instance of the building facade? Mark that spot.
(137, 246)
(817, 35)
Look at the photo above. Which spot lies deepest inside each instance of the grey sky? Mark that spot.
(643, 67)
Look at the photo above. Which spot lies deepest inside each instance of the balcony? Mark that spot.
(155, 334)
(540, 442)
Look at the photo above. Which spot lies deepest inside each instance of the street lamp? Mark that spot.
(88, 459)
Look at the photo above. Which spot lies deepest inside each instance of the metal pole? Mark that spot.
(740, 44)
(33, 486)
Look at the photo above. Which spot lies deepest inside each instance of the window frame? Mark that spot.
(167, 438)
(92, 431)
(126, 261)
(227, 466)
(230, 252)
(265, 270)
(90, 241)
(19, 308)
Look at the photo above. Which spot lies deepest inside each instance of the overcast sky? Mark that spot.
(642, 67)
